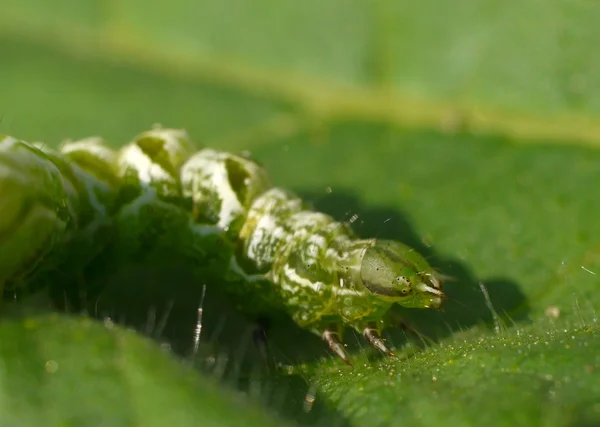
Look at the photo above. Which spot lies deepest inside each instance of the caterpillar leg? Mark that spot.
(332, 337)
(372, 334)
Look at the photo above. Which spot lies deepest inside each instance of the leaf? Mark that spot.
(514, 68)
(526, 377)
(67, 371)
(421, 120)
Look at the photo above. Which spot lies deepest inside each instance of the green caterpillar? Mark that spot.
(216, 210)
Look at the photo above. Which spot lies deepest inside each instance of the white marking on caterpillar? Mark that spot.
(94, 145)
(147, 171)
(299, 280)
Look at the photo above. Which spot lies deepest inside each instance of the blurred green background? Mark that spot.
(468, 129)
(517, 67)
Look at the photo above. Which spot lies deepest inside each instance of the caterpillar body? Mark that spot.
(219, 212)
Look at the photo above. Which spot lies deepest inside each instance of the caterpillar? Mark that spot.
(218, 211)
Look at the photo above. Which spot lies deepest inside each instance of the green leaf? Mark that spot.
(526, 377)
(74, 371)
(514, 67)
(421, 120)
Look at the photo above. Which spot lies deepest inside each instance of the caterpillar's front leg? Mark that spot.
(372, 333)
(331, 335)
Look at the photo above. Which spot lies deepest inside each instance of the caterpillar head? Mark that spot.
(396, 272)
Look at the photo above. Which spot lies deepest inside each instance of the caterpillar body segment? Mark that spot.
(34, 213)
(153, 161)
(161, 217)
(88, 188)
(222, 187)
(91, 201)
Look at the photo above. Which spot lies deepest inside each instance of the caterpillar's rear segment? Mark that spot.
(34, 215)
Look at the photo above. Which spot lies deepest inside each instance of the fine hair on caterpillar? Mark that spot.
(160, 200)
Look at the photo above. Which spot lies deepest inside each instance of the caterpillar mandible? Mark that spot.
(219, 212)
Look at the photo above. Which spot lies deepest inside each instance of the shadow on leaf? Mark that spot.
(467, 305)
(163, 303)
